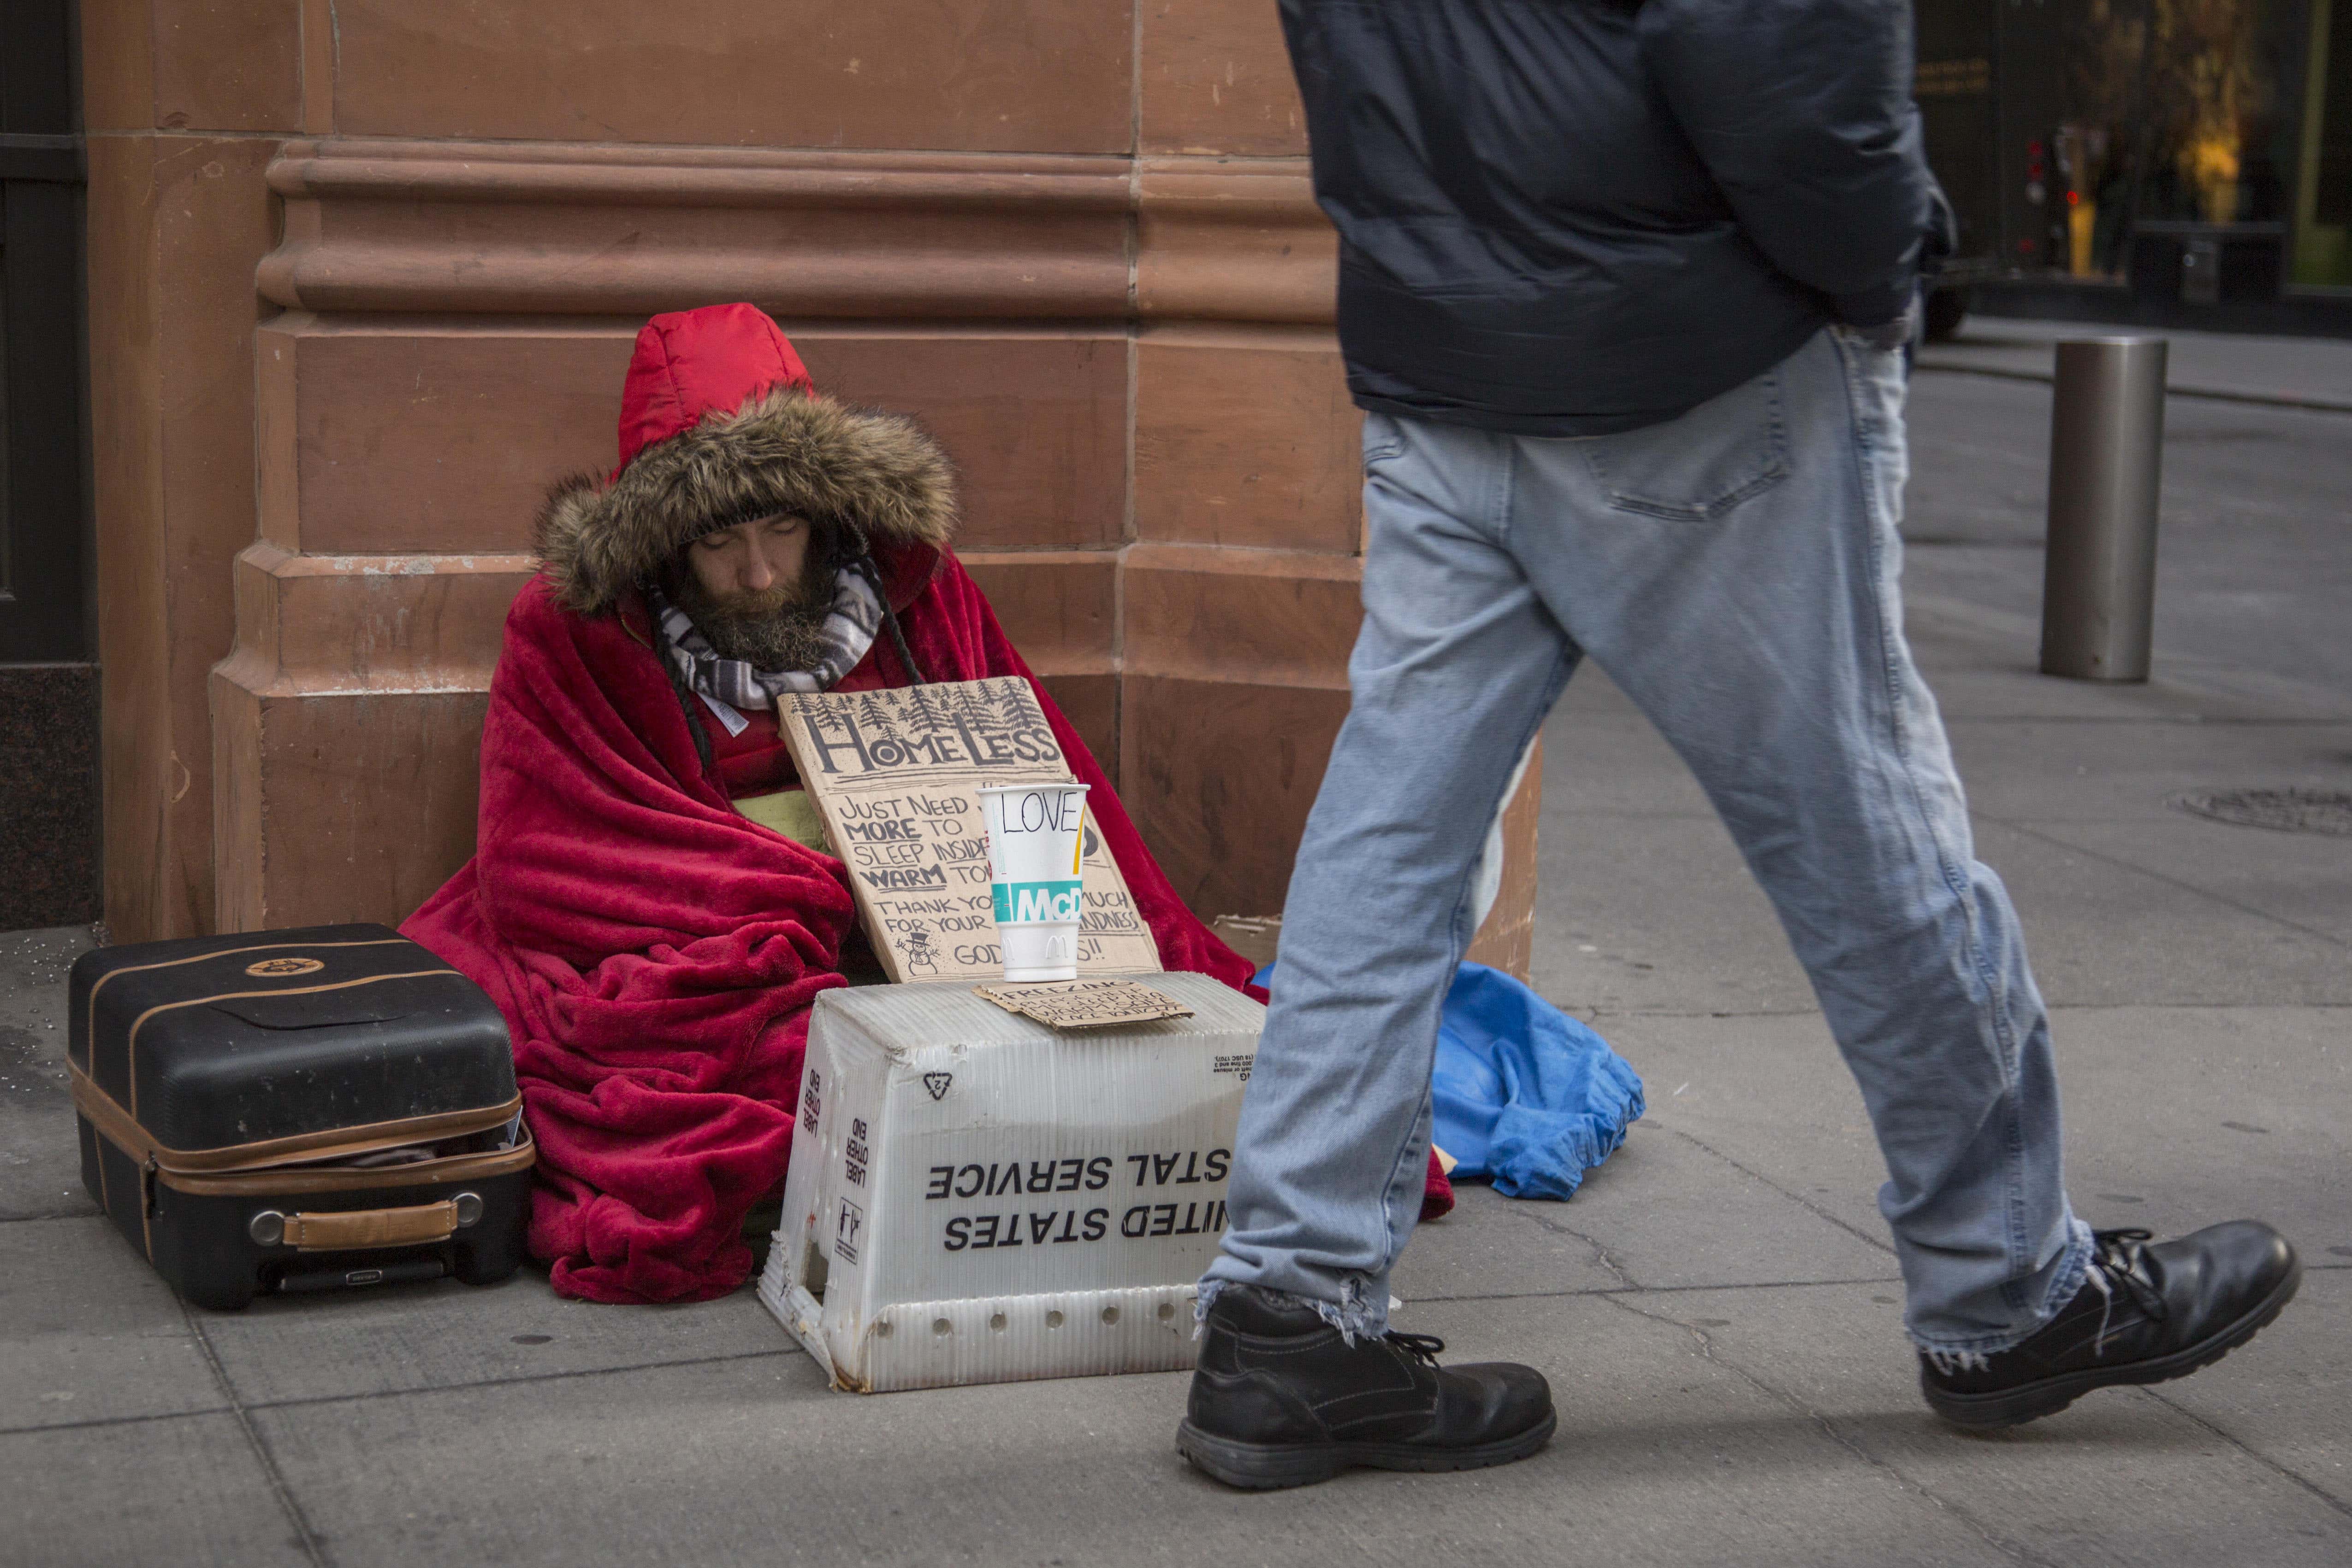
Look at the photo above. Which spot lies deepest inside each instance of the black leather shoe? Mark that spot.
(1280, 1399)
(2144, 1314)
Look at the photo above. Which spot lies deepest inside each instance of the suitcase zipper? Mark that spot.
(266, 1180)
(107, 1114)
(282, 1182)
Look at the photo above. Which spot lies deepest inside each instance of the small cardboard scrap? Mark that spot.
(1085, 1004)
(896, 773)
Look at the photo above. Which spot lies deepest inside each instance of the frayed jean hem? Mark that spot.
(1359, 1314)
(2065, 1282)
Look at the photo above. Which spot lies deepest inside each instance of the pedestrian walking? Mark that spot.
(1623, 290)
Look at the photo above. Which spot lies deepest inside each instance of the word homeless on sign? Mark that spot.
(964, 726)
(898, 773)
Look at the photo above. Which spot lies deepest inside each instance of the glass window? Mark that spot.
(2212, 112)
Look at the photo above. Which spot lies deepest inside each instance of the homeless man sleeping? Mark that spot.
(651, 903)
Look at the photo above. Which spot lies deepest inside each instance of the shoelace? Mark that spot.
(1421, 1347)
(2119, 1258)
(2116, 1261)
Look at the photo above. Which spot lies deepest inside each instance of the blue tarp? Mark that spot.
(1526, 1097)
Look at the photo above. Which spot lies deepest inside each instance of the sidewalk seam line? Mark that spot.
(308, 1538)
(99, 1422)
(314, 1399)
(429, 1388)
(2314, 1487)
(2222, 899)
(1798, 1198)
(1600, 1253)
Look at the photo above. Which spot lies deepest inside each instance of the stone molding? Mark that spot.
(344, 625)
(1233, 240)
(583, 229)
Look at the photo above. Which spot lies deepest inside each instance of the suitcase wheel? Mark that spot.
(219, 1297)
(484, 1265)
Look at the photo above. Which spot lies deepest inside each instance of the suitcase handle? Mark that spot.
(351, 1229)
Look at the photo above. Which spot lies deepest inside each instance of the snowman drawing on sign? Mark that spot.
(923, 958)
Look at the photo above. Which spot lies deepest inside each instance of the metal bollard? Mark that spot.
(2106, 454)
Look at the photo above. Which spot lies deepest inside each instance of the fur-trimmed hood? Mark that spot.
(789, 452)
(720, 424)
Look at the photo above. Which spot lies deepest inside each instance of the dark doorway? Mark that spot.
(48, 677)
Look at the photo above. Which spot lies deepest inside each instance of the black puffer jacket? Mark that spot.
(1565, 217)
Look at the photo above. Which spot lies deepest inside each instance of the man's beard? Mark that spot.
(781, 628)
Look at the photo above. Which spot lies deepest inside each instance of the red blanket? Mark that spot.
(655, 953)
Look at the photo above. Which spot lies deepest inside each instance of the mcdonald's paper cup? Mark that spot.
(1035, 834)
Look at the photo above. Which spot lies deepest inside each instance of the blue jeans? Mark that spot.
(1734, 570)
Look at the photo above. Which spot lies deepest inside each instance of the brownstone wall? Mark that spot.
(184, 103)
(364, 280)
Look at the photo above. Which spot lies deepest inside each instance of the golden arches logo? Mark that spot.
(276, 968)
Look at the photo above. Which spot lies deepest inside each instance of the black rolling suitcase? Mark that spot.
(299, 1110)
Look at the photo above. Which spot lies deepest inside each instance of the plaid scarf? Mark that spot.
(848, 633)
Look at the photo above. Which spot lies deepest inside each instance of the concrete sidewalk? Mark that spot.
(1717, 1309)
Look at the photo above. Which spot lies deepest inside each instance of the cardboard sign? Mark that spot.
(1086, 1004)
(895, 775)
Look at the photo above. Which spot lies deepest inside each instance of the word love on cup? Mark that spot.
(1036, 835)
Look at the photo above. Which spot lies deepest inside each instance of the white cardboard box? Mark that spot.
(975, 1198)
